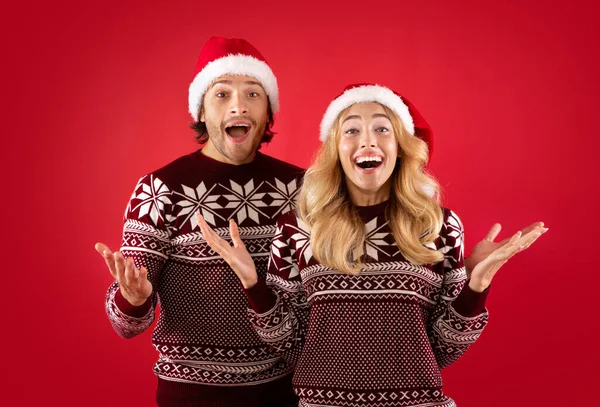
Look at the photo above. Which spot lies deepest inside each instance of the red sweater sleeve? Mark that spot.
(146, 240)
(460, 315)
(278, 304)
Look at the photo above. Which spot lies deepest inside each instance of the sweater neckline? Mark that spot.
(369, 212)
(214, 165)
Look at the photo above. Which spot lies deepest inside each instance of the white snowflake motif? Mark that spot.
(277, 250)
(153, 195)
(299, 242)
(454, 230)
(198, 199)
(285, 197)
(246, 200)
(374, 239)
(302, 240)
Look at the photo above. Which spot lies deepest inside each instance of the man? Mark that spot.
(209, 354)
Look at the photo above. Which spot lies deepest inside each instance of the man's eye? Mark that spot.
(220, 94)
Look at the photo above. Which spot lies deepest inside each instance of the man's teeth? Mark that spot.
(363, 159)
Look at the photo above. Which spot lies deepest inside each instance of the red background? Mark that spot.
(95, 95)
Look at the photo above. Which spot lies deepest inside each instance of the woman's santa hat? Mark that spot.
(230, 56)
(412, 120)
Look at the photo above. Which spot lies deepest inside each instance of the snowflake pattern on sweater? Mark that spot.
(202, 335)
(379, 338)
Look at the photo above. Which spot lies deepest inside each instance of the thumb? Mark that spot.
(493, 233)
(101, 248)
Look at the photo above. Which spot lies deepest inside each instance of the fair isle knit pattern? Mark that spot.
(377, 339)
(203, 335)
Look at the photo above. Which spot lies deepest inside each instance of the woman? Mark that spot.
(366, 292)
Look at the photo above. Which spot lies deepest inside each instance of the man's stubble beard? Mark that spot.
(217, 134)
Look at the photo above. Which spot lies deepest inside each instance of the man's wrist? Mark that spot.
(247, 284)
(134, 302)
(478, 286)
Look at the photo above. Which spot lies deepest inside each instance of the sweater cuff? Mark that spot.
(470, 303)
(126, 308)
(260, 297)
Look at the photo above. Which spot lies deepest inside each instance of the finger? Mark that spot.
(511, 251)
(514, 247)
(119, 267)
(107, 255)
(220, 246)
(541, 232)
(202, 222)
(110, 263)
(515, 238)
(529, 238)
(505, 253)
(129, 273)
(235, 234)
(199, 218)
(216, 242)
(520, 244)
(528, 229)
(136, 271)
(206, 229)
(533, 226)
(143, 280)
(533, 234)
(517, 243)
(143, 273)
(508, 239)
(508, 250)
(207, 233)
(101, 247)
(527, 245)
(493, 233)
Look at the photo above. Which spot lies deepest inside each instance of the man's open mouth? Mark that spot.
(237, 130)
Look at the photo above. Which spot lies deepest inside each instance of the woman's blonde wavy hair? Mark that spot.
(337, 233)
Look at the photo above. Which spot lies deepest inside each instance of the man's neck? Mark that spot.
(211, 151)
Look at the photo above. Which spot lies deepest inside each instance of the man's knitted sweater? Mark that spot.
(203, 335)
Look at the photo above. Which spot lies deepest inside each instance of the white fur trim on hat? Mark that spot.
(367, 93)
(237, 64)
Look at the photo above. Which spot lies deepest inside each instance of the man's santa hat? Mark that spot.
(230, 56)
